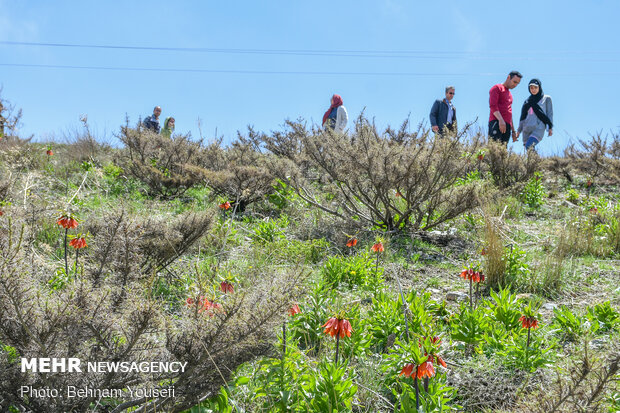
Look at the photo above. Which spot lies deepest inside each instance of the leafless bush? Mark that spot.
(169, 167)
(10, 118)
(371, 178)
(130, 247)
(485, 385)
(598, 157)
(559, 166)
(242, 174)
(508, 168)
(583, 389)
(85, 318)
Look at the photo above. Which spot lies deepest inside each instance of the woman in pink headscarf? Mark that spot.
(336, 116)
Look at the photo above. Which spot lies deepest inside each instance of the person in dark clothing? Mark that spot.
(500, 104)
(152, 122)
(443, 113)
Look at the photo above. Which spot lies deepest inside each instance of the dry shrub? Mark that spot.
(105, 319)
(508, 168)
(168, 167)
(486, 385)
(598, 157)
(374, 179)
(581, 387)
(242, 174)
(129, 247)
(559, 166)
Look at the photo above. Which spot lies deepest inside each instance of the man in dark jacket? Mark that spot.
(443, 113)
(152, 122)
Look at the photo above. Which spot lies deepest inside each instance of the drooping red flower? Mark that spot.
(225, 206)
(483, 251)
(528, 322)
(589, 183)
(426, 369)
(398, 195)
(466, 274)
(1, 212)
(294, 310)
(470, 274)
(477, 277)
(335, 326)
(378, 247)
(78, 243)
(67, 222)
(594, 210)
(227, 287)
(407, 370)
(352, 242)
(480, 157)
(49, 152)
(189, 302)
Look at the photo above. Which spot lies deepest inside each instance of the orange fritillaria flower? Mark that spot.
(594, 210)
(67, 222)
(294, 310)
(398, 195)
(480, 157)
(78, 243)
(528, 322)
(1, 212)
(227, 287)
(352, 242)
(477, 277)
(225, 206)
(49, 152)
(466, 274)
(426, 369)
(378, 247)
(334, 327)
(407, 370)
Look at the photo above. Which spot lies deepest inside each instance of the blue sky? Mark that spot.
(571, 46)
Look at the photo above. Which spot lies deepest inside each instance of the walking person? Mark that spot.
(168, 127)
(536, 116)
(443, 113)
(500, 104)
(336, 117)
(152, 122)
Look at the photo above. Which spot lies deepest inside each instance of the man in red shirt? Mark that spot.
(500, 103)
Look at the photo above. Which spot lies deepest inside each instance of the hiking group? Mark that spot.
(152, 123)
(536, 114)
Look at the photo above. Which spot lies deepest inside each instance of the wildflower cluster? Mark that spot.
(67, 222)
(470, 274)
(337, 326)
(528, 322)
